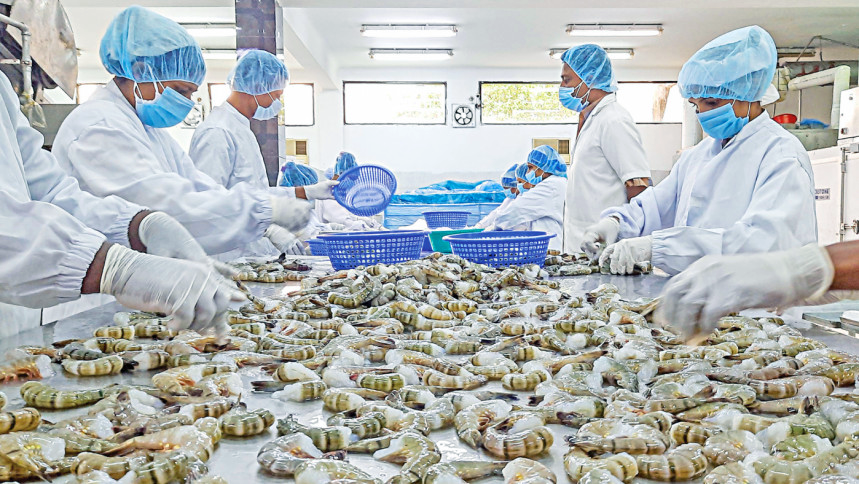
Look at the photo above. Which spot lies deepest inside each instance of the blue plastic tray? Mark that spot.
(317, 247)
(498, 249)
(451, 220)
(365, 190)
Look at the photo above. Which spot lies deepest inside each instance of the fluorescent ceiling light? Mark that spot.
(408, 31)
(614, 54)
(795, 51)
(614, 30)
(208, 30)
(411, 54)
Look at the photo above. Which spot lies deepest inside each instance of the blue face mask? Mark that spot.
(722, 123)
(521, 188)
(568, 98)
(168, 108)
(532, 178)
(272, 111)
(509, 193)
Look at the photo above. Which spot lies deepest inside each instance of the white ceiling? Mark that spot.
(498, 33)
(521, 37)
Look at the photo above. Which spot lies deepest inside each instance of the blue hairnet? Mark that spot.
(521, 170)
(345, 160)
(737, 65)
(329, 173)
(146, 47)
(508, 179)
(547, 159)
(591, 63)
(297, 175)
(258, 72)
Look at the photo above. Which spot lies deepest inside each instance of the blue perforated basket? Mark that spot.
(348, 250)
(317, 247)
(365, 190)
(499, 249)
(451, 220)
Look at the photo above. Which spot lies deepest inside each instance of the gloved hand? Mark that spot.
(321, 190)
(718, 285)
(189, 292)
(604, 231)
(622, 256)
(290, 213)
(163, 235)
(284, 240)
(337, 227)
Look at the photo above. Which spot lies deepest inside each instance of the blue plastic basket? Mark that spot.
(451, 220)
(352, 249)
(317, 247)
(365, 190)
(498, 249)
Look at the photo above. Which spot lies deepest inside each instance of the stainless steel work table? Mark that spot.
(235, 459)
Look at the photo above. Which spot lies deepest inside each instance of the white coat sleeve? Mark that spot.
(44, 253)
(782, 195)
(621, 145)
(651, 210)
(47, 182)
(213, 153)
(536, 203)
(115, 163)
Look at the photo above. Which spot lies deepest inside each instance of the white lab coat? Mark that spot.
(754, 195)
(105, 146)
(225, 148)
(607, 153)
(331, 212)
(489, 219)
(50, 230)
(540, 208)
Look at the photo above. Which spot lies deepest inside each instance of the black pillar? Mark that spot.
(256, 28)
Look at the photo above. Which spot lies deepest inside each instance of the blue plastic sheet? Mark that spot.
(401, 215)
(452, 191)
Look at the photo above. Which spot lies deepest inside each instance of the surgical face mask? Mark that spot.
(168, 108)
(509, 193)
(521, 187)
(532, 178)
(722, 123)
(569, 100)
(272, 111)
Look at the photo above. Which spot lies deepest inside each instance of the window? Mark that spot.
(522, 103)
(537, 103)
(297, 102)
(394, 102)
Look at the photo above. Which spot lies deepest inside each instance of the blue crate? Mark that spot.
(352, 249)
(317, 247)
(451, 220)
(502, 248)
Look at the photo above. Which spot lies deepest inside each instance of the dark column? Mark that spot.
(256, 28)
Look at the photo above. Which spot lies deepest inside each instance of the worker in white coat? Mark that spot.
(115, 144)
(541, 206)
(296, 175)
(331, 212)
(748, 187)
(58, 242)
(508, 183)
(609, 165)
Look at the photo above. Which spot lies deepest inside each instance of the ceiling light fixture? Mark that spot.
(614, 30)
(210, 29)
(614, 54)
(795, 52)
(403, 31)
(411, 54)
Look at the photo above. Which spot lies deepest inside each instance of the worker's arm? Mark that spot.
(773, 221)
(845, 259)
(652, 209)
(635, 187)
(544, 200)
(218, 218)
(621, 145)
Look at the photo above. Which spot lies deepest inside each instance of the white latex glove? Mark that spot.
(605, 231)
(191, 293)
(290, 213)
(718, 285)
(321, 190)
(623, 255)
(163, 235)
(284, 240)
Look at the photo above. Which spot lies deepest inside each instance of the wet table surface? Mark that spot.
(235, 458)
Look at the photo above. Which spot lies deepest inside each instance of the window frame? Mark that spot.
(444, 103)
(312, 94)
(482, 123)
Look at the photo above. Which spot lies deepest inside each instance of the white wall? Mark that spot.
(425, 154)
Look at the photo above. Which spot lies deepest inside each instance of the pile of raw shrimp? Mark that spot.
(504, 357)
